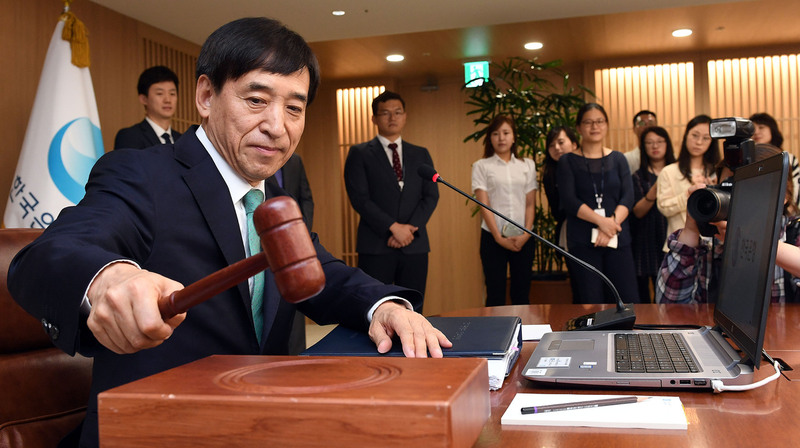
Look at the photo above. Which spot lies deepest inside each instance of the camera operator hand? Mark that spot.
(699, 180)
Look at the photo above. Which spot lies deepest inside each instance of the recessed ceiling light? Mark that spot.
(395, 57)
(337, 13)
(534, 46)
(683, 32)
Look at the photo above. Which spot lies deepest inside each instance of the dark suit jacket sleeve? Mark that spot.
(430, 191)
(49, 277)
(340, 299)
(356, 183)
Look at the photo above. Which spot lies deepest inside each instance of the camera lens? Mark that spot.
(709, 205)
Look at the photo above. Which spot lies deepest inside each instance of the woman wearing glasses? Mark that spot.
(648, 226)
(597, 196)
(696, 164)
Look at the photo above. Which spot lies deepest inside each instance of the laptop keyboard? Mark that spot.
(652, 353)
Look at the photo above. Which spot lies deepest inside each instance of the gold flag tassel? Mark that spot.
(78, 37)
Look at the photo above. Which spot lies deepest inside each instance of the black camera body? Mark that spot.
(711, 204)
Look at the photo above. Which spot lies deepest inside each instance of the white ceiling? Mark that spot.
(194, 20)
(437, 36)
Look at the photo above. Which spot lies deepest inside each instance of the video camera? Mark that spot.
(711, 204)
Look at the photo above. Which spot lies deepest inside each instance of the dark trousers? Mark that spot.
(397, 268)
(498, 260)
(644, 282)
(616, 264)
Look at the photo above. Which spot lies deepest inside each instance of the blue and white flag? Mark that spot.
(62, 142)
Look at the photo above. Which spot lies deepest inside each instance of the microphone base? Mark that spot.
(611, 319)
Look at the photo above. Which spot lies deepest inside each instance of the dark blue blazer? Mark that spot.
(375, 194)
(168, 209)
(140, 136)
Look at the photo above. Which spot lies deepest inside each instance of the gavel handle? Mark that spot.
(200, 291)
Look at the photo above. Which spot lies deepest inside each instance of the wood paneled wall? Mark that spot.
(665, 89)
(115, 43)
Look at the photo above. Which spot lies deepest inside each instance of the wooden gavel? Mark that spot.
(287, 250)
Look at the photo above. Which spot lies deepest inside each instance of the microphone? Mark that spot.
(621, 318)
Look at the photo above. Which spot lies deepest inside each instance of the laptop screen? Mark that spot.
(748, 261)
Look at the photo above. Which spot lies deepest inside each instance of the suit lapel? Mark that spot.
(213, 199)
(149, 133)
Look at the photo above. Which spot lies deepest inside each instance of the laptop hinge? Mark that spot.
(727, 355)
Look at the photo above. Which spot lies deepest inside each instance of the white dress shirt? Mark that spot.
(507, 184)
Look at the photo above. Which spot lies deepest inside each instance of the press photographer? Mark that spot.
(710, 204)
(690, 270)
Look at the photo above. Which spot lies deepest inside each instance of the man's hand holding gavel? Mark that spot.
(133, 309)
(125, 317)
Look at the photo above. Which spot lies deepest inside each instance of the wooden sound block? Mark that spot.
(298, 401)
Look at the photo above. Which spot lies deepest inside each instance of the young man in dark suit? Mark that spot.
(158, 93)
(394, 202)
(153, 221)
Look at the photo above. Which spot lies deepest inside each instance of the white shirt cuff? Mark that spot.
(86, 306)
(386, 299)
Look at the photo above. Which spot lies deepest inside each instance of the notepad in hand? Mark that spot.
(652, 413)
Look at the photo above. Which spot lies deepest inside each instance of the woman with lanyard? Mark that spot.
(597, 196)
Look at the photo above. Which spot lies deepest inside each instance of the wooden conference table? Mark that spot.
(767, 416)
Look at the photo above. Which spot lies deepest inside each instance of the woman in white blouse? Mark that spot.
(697, 162)
(506, 183)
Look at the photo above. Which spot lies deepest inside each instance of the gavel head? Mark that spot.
(288, 248)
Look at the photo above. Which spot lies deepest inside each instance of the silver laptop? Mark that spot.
(696, 356)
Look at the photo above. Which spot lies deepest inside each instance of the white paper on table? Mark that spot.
(535, 332)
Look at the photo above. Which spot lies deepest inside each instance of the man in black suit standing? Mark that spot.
(292, 178)
(393, 201)
(158, 93)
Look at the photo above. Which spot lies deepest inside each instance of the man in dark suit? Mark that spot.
(393, 201)
(292, 178)
(158, 93)
(153, 221)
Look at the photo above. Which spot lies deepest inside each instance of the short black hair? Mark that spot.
(154, 75)
(644, 112)
(384, 97)
(256, 43)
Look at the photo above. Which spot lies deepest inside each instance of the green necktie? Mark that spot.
(251, 200)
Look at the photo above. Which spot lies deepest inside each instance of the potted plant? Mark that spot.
(536, 96)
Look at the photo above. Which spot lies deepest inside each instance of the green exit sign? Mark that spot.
(475, 73)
